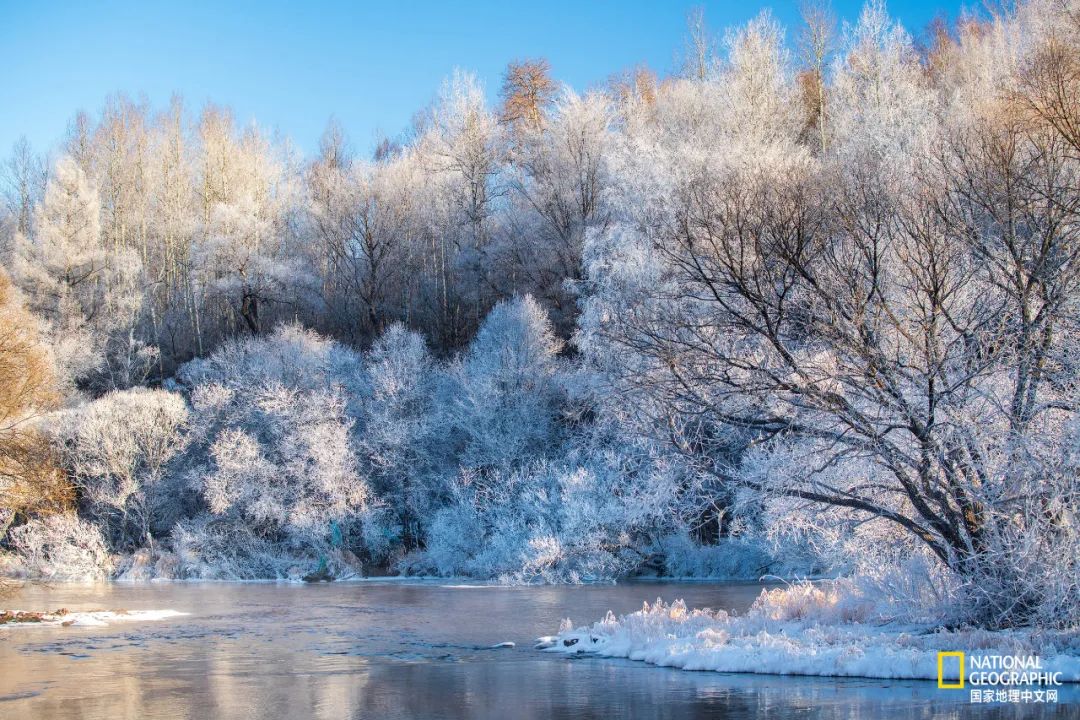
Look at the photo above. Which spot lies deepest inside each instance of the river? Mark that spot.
(394, 650)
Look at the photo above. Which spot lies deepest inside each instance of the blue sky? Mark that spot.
(291, 66)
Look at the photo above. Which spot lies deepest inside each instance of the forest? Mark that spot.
(807, 307)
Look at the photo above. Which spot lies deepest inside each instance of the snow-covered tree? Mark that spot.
(498, 404)
(243, 253)
(397, 412)
(363, 217)
(897, 318)
(560, 180)
(88, 296)
(460, 150)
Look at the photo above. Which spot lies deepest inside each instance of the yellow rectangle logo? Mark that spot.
(959, 685)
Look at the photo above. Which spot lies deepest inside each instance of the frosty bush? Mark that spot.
(498, 404)
(546, 522)
(213, 548)
(731, 558)
(397, 414)
(117, 450)
(273, 458)
(290, 356)
(61, 547)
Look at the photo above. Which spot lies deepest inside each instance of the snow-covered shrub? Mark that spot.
(117, 450)
(273, 459)
(498, 404)
(290, 356)
(213, 548)
(731, 558)
(454, 537)
(61, 547)
(397, 412)
(548, 522)
(805, 629)
(850, 600)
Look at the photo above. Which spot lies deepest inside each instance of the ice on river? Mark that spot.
(94, 618)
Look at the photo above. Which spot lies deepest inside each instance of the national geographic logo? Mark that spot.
(952, 656)
(998, 678)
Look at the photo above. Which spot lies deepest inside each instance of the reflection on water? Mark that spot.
(398, 651)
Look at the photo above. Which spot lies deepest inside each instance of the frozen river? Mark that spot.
(394, 650)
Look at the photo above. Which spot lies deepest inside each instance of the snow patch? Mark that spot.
(93, 618)
(798, 631)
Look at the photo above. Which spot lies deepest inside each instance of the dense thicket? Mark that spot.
(808, 306)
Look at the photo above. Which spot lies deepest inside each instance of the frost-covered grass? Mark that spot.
(826, 629)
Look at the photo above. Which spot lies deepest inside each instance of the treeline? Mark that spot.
(191, 230)
(808, 304)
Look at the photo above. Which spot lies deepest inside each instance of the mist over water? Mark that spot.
(394, 650)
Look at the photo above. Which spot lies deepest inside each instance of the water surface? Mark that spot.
(398, 650)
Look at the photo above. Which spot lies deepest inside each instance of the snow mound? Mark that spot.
(803, 630)
(93, 618)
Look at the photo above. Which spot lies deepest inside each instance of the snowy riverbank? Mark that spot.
(802, 630)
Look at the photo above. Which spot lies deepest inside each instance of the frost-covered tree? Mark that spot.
(498, 404)
(560, 180)
(88, 296)
(22, 185)
(460, 148)
(895, 317)
(397, 414)
(363, 216)
(244, 252)
(238, 255)
(883, 109)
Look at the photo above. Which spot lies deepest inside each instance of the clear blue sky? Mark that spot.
(291, 66)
